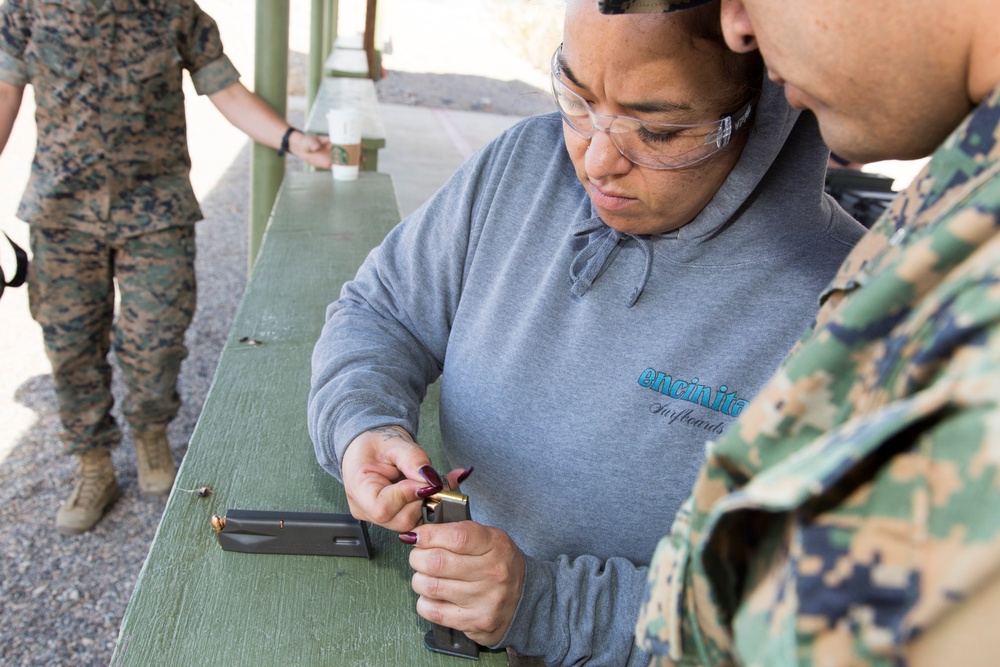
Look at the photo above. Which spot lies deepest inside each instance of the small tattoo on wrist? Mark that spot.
(391, 432)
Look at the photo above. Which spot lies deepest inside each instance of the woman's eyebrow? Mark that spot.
(656, 106)
(564, 68)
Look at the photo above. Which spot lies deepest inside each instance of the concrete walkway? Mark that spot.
(424, 147)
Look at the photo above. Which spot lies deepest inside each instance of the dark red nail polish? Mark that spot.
(431, 475)
(465, 474)
(408, 538)
(428, 491)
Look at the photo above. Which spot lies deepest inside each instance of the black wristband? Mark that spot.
(284, 141)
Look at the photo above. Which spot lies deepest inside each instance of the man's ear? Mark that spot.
(737, 28)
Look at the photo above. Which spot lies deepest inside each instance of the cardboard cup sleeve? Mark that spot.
(345, 142)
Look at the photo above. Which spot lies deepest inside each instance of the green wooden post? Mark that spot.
(316, 53)
(270, 83)
(330, 26)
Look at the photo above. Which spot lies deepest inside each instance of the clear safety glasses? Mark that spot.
(642, 142)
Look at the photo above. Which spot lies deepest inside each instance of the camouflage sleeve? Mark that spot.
(215, 76)
(200, 46)
(852, 546)
(856, 583)
(14, 35)
(919, 542)
(659, 628)
(679, 623)
(895, 559)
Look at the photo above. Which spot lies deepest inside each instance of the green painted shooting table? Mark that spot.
(195, 604)
(338, 93)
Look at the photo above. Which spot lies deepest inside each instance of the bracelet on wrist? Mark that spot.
(284, 141)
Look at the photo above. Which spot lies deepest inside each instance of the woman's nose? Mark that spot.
(603, 159)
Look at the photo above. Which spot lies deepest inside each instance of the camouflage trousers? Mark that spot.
(71, 292)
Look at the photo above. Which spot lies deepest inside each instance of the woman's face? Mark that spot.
(646, 68)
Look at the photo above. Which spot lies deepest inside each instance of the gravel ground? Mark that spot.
(62, 599)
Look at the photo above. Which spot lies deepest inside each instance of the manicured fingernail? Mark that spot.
(431, 475)
(465, 474)
(408, 538)
(428, 491)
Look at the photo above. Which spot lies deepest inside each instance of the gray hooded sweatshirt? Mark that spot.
(582, 369)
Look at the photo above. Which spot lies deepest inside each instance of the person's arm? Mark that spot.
(251, 114)
(10, 104)
(383, 344)
(578, 611)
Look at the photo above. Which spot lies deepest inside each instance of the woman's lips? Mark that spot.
(607, 200)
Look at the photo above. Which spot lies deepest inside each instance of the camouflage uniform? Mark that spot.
(856, 502)
(109, 194)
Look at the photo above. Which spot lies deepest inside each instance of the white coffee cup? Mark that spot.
(345, 142)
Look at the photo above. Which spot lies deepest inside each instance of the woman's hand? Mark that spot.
(468, 577)
(386, 477)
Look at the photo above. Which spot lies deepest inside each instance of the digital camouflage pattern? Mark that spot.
(109, 195)
(73, 300)
(645, 6)
(112, 139)
(856, 502)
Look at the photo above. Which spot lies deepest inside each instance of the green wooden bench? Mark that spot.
(355, 42)
(346, 62)
(196, 604)
(349, 53)
(345, 92)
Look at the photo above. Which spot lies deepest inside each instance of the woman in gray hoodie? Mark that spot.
(601, 291)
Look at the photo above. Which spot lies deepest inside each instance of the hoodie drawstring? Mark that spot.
(600, 251)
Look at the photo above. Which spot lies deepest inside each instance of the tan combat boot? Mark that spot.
(94, 492)
(156, 464)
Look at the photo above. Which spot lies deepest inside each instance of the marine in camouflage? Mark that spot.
(856, 502)
(109, 194)
(645, 6)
